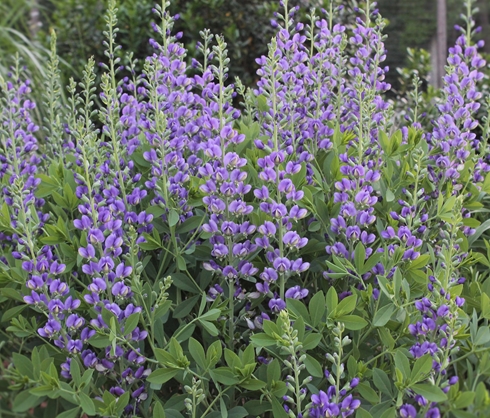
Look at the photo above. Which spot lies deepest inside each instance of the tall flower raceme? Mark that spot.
(224, 182)
(325, 82)
(453, 138)
(364, 110)
(19, 163)
(360, 165)
(279, 165)
(111, 227)
(439, 321)
(452, 143)
(170, 125)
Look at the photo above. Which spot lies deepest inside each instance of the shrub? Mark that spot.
(301, 256)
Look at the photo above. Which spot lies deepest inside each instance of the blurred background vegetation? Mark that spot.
(25, 29)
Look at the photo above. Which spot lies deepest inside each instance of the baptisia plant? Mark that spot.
(168, 252)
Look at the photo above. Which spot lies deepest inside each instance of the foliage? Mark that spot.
(305, 256)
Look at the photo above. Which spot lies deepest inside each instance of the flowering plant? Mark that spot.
(164, 252)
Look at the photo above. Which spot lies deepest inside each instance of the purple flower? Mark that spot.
(296, 292)
(408, 411)
(276, 305)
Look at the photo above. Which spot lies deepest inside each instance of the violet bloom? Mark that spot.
(276, 305)
(408, 411)
(296, 292)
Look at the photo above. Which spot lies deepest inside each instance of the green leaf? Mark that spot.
(253, 384)
(197, 353)
(273, 371)
(25, 401)
(44, 390)
(71, 413)
(278, 410)
(382, 382)
(317, 308)
(75, 372)
(237, 412)
(311, 341)
(389, 413)
(185, 307)
(262, 103)
(210, 328)
(299, 310)
(313, 366)
(383, 315)
(23, 365)
(211, 315)
(183, 282)
(368, 393)
(131, 323)
(190, 224)
(362, 413)
(332, 300)
(99, 341)
(214, 353)
(359, 256)
(464, 400)
(402, 363)
(430, 392)
(485, 306)
(481, 229)
(262, 340)
(173, 218)
(345, 306)
(12, 313)
(223, 375)
(421, 368)
(270, 328)
(87, 404)
(158, 411)
(353, 322)
(160, 376)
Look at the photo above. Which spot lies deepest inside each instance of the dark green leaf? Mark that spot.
(262, 340)
(353, 322)
(173, 218)
(383, 315)
(299, 310)
(237, 412)
(12, 313)
(402, 363)
(359, 257)
(71, 413)
(197, 352)
(368, 393)
(313, 366)
(87, 404)
(421, 368)
(131, 323)
(185, 307)
(160, 376)
(182, 281)
(311, 341)
(317, 308)
(25, 401)
(382, 382)
(189, 224)
(223, 375)
(430, 392)
(346, 306)
(210, 328)
(23, 365)
(158, 411)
